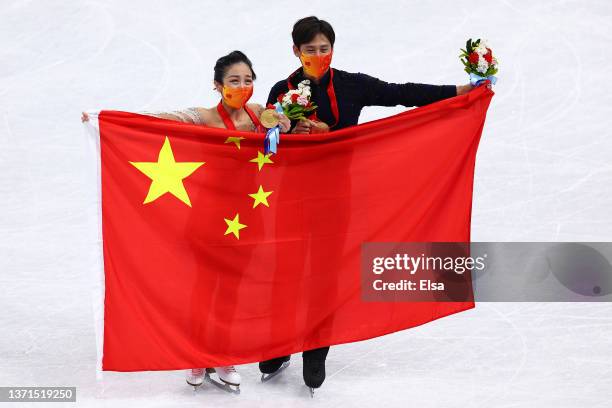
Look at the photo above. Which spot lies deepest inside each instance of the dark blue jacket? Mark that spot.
(356, 90)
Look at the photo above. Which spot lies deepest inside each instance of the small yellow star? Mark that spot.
(234, 226)
(234, 139)
(261, 159)
(167, 175)
(260, 197)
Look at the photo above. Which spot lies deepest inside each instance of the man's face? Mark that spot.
(319, 45)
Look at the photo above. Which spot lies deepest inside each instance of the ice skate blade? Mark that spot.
(230, 388)
(195, 386)
(268, 377)
(311, 392)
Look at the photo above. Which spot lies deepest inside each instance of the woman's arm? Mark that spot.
(189, 115)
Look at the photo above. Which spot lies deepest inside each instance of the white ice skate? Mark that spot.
(195, 377)
(230, 378)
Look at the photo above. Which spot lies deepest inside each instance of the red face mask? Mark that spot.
(237, 97)
(316, 65)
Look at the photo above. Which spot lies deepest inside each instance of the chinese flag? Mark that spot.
(215, 254)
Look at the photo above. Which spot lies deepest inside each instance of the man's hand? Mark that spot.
(303, 126)
(84, 117)
(463, 89)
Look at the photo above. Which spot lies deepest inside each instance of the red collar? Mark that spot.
(229, 124)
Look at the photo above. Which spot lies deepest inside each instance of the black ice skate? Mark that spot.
(271, 368)
(314, 373)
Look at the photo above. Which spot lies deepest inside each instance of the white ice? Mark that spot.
(543, 173)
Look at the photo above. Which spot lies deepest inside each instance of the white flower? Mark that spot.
(483, 65)
(481, 49)
(302, 100)
(483, 44)
(303, 89)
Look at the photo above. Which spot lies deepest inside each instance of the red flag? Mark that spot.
(215, 254)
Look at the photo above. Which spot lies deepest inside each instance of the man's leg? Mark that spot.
(314, 366)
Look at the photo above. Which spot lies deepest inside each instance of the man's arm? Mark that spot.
(381, 93)
(276, 90)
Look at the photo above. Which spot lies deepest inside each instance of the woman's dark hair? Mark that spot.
(305, 29)
(228, 60)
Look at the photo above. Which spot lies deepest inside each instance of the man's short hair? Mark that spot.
(305, 29)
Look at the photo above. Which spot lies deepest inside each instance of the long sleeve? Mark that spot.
(278, 88)
(380, 93)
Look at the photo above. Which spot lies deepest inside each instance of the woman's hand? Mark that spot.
(85, 117)
(303, 126)
(284, 122)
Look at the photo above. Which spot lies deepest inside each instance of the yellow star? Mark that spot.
(261, 159)
(234, 226)
(167, 175)
(234, 139)
(260, 196)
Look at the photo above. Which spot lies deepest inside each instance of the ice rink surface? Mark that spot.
(543, 173)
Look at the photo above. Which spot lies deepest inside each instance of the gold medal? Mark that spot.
(269, 118)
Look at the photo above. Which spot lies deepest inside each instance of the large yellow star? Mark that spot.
(234, 139)
(260, 197)
(234, 226)
(167, 175)
(261, 159)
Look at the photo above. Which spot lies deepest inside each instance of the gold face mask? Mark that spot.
(237, 97)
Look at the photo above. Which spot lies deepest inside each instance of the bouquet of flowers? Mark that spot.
(296, 103)
(479, 61)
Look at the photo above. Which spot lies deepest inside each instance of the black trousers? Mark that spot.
(316, 354)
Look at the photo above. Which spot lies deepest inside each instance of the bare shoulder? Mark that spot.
(256, 108)
(207, 114)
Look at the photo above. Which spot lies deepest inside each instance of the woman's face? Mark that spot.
(237, 75)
